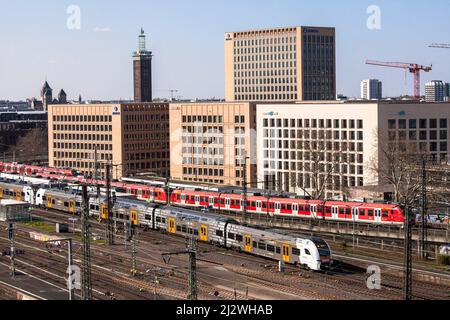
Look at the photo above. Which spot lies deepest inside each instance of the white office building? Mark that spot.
(304, 143)
(371, 89)
(435, 91)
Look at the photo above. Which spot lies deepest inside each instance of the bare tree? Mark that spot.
(31, 146)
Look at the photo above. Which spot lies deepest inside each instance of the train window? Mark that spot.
(320, 209)
(158, 219)
(348, 211)
(184, 229)
(278, 250)
(163, 220)
(216, 201)
(189, 231)
(370, 213)
(362, 212)
(219, 233)
(385, 213)
(195, 232)
(248, 204)
(289, 207)
(261, 246)
(341, 211)
(328, 209)
(283, 207)
(301, 208)
(23, 194)
(192, 198)
(178, 228)
(222, 201)
(253, 204)
(270, 248)
(78, 204)
(232, 202)
(272, 206)
(264, 205)
(255, 245)
(202, 199)
(148, 217)
(295, 251)
(307, 208)
(231, 235)
(239, 238)
(43, 198)
(53, 201)
(66, 204)
(307, 252)
(121, 216)
(178, 197)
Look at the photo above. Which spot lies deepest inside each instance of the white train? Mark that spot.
(311, 253)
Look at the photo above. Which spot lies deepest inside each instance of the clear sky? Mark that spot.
(186, 37)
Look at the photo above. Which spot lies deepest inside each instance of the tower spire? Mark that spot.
(142, 41)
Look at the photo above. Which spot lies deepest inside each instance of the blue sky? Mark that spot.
(186, 37)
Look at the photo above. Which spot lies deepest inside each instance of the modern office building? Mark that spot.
(302, 145)
(133, 136)
(435, 91)
(209, 141)
(283, 64)
(371, 89)
(142, 71)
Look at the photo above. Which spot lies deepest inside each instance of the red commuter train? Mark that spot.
(359, 212)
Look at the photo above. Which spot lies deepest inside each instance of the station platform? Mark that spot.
(28, 287)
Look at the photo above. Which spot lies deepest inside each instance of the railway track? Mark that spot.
(313, 286)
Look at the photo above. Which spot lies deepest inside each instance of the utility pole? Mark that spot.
(407, 282)
(192, 251)
(245, 189)
(13, 249)
(96, 171)
(133, 249)
(168, 191)
(109, 221)
(423, 225)
(86, 290)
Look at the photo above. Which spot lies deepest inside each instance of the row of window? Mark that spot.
(146, 117)
(256, 81)
(204, 119)
(81, 155)
(82, 118)
(265, 89)
(70, 127)
(274, 76)
(147, 145)
(314, 123)
(203, 172)
(82, 146)
(423, 135)
(312, 166)
(264, 97)
(313, 134)
(265, 41)
(90, 137)
(286, 55)
(417, 123)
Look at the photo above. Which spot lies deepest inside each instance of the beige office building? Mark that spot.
(283, 64)
(133, 136)
(209, 141)
(341, 143)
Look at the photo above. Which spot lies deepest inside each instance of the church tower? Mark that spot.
(46, 96)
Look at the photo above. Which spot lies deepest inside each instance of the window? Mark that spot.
(295, 252)
(219, 233)
(307, 252)
(392, 124)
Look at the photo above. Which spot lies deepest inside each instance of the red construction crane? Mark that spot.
(412, 67)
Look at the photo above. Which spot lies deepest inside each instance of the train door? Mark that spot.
(378, 216)
(183, 199)
(295, 209)
(19, 195)
(171, 225)
(134, 217)
(335, 213)
(258, 206)
(203, 233)
(286, 254)
(248, 243)
(355, 214)
(104, 212)
(197, 201)
(211, 202)
(314, 211)
(277, 208)
(49, 202)
(227, 204)
(1, 193)
(71, 206)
